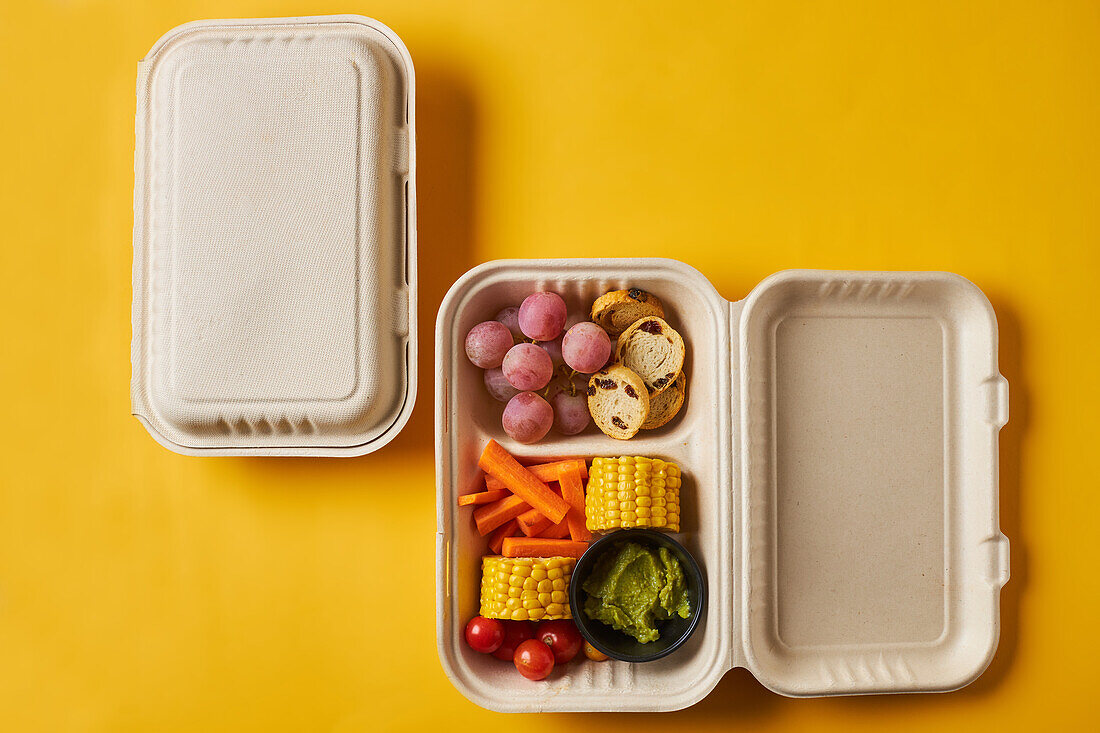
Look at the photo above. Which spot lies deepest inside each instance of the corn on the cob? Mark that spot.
(525, 588)
(633, 491)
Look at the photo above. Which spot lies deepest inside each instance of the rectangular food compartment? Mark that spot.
(697, 440)
(820, 412)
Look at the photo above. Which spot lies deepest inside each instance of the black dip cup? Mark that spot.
(674, 632)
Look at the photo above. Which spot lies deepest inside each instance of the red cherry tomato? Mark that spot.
(515, 633)
(562, 637)
(484, 635)
(534, 660)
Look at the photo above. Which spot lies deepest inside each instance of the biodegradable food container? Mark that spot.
(839, 456)
(274, 238)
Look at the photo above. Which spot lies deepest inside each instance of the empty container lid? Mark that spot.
(873, 560)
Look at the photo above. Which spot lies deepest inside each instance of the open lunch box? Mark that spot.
(839, 455)
(838, 442)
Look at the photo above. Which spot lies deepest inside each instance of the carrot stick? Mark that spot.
(490, 516)
(496, 461)
(482, 497)
(533, 524)
(557, 531)
(573, 492)
(539, 547)
(552, 468)
(545, 472)
(496, 539)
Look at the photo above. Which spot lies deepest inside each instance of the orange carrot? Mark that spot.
(496, 539)
(553, 468)
(533, 524)
(540, 547)
(497, 462)
(490, 516)
(482, 497)
(573, 492)
(545, 472)
(557, 531)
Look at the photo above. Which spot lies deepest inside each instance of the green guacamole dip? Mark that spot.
(632, 587)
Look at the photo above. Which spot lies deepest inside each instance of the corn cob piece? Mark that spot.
(633, 491)
(525, 588)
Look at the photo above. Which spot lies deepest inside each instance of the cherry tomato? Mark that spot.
(515, 633)
(534, 660)
(484, 635)
(562, 637)
(593, 653)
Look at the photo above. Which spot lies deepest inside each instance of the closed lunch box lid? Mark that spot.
(274, 273)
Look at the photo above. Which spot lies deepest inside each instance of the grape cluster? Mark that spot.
(524, 351)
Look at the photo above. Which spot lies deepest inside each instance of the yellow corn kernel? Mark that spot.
(525, 588)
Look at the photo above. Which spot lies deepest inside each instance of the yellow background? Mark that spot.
(145, 591)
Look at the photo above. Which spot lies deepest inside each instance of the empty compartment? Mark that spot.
(698, 439)
(872, 557)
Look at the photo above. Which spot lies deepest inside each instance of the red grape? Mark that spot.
(570, 412)
(487, 343)
(498, 386)
(553, 348)
(542, 316)
(510, 318)
(527, 417)
(528, 366)
(586, 347)
(534, 660)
